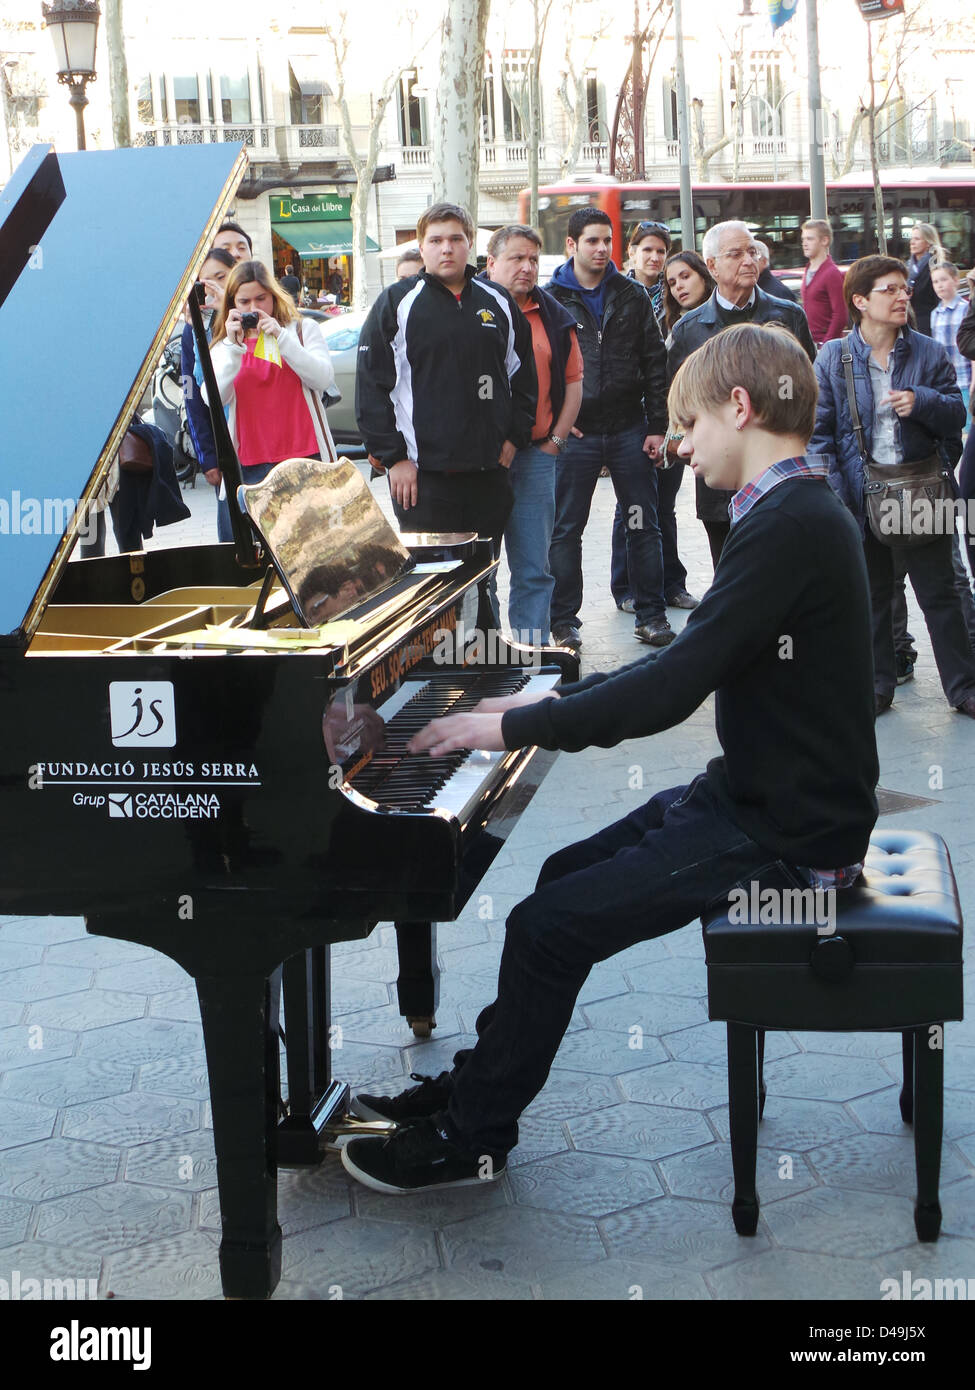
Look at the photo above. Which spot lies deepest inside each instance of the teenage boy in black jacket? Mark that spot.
(621, 426)
(783, 639)
(445, 386)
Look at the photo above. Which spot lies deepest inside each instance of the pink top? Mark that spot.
(273, 419)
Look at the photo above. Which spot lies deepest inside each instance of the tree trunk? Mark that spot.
(878, 196)
(118, 74)
(457, 121)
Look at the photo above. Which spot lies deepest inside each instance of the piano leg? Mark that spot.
(418, 985)
(314, 1099)
(240, 1031)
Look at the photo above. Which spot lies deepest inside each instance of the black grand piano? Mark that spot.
(190, 755)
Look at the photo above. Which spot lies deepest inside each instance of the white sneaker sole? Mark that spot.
(365, 1112)
(378, 1185)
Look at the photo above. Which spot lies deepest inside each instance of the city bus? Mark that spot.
(776, 212)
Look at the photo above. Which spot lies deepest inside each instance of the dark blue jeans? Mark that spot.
(635, 481)
(648, 874)
(675, 575)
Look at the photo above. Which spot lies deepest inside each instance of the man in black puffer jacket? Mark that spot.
(621, 425)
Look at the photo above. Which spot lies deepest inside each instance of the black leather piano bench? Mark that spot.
(889, 958)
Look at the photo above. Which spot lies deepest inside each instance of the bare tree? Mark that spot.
(363, 164)
(522, 86)
(704, 153)
(574, 102)
(457, 122)
(118, 74)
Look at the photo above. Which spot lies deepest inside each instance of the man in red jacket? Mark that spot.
(822, 284)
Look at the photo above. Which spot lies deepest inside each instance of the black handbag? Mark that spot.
(891, 492)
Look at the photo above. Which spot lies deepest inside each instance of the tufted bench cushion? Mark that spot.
(893, 961)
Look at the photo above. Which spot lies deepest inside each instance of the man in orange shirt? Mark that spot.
(512, 262)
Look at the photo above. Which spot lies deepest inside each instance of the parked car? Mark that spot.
(342, 336)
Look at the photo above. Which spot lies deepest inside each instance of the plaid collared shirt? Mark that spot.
(945, 322)
(743, 501)
(740, 505)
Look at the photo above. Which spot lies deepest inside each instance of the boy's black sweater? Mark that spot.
(783, 637)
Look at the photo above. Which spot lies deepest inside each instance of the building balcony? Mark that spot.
(257, 136)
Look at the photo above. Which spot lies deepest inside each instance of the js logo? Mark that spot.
(143, 714)
(485, 315)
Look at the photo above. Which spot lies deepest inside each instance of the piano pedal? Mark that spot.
(422, 1026)
(337, 1134)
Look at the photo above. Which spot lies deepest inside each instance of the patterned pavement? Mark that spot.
(621, 1185)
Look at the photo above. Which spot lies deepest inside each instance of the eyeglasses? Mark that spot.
(738, 253)
(892, 290)
(651, 227)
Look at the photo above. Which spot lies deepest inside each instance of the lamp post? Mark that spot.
(74, 28)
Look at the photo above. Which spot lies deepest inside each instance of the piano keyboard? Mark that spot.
(418, 782)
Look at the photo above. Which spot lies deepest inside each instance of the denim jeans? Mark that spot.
(527, 536)
(648, 874)
(635, 481)
(675, 575)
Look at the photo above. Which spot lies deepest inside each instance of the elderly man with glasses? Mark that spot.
(911, 411)
(733, 258)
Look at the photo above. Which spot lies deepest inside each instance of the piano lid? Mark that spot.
(81, 332)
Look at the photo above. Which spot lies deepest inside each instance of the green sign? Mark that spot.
(317, 207)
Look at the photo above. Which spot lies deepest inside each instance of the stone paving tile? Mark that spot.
(875, 1045)
(366, 1067)
(433, 1210)
(603, 983)
(610, 1054)
(708, 1042)
(176, 1076)
(186, 1162)
(818, 1076)
(675, 1231)
(386, 1025)
(792, 1126)
(23, 1124)
(690, 1085)
(97, 952)
(798, 1277)
(181, 1267)
(836, 1221)
(538, 1138)
(29, 1046)
(130, 1119)
(94, 1008)
(143, 1040)
(947, 1258)
(584, 1184)
(11, 1013)
(41, 981)
(14, 954)
(654, 1013)
(679, 975)
(44, 931)
(38, 1172)
(144, 976)
(708, 1173)
(358, 1256)
(36, 1259)
(958, 1209)
(103, 1219)
(68, 1082)
(520, 1242)
(615, 1280)
(451, 1285)
(181, 1005)
(14, 1220)
(879, 1163)
(571, 1093)
(639, 1131)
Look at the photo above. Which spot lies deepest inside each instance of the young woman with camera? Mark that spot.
(271, 368)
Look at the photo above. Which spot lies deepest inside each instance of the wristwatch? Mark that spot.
(559, 443)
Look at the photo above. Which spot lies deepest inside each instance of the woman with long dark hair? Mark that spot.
(271, 368)
(687, 283)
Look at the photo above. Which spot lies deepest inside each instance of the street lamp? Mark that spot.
(74, 27)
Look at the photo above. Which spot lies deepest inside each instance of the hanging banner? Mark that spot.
(880, 9)
(780, 12)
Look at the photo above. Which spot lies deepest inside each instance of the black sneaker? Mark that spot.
(680, 598)
(415, 1103)
(418, 1157)
(904, 666)
(656, 633)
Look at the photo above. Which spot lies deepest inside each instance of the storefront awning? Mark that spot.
(315, 239)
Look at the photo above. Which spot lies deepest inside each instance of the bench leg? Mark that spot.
(743, 1123)
(761, 1073)
(906, 1097)
(928, 1122)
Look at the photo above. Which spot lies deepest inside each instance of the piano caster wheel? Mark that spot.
(422, 1027)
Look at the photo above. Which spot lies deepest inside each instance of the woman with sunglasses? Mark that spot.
(649, 246)
(271, 368)
(911, 411)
